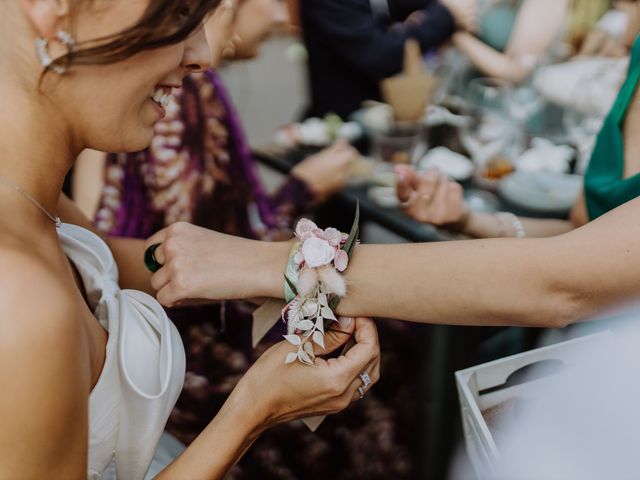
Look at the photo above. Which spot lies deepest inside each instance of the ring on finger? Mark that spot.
(361, 391)
(366, 379)
(150, 261)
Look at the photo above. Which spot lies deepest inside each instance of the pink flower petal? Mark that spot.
(305, 225)
(306, 236)
(333, 236)
(341, 261)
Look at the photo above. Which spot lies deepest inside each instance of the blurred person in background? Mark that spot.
(612, 179)
(512, 35)
(354, 44)
(199, 169)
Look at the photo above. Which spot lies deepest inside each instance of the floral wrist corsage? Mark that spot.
(314, 284)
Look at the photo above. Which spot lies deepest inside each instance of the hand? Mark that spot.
(327, 172)
(465, 13)
(285, 392)
(430, 197)
(200, 264)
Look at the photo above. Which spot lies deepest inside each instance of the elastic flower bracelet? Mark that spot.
(314, 285)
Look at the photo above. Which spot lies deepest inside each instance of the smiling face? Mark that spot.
(113, 107)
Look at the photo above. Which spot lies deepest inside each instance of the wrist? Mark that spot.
(273, 257)
(308, 182)
(245, 408)
(464, 224)
(457, 39)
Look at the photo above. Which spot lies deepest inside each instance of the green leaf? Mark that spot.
(354, 233)
(290, 290)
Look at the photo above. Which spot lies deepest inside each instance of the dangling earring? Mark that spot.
(43, 55)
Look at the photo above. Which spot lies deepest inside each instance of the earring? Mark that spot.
(43, 55)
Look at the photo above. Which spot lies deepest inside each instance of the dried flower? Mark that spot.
(317, 252)
(332, 281)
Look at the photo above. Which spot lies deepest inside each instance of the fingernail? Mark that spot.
(345, 322)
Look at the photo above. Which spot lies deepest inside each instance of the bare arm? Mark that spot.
(537, 25)
(430, 197)
(271, 393)
(541, 282)
(44, 374)
(483, 225)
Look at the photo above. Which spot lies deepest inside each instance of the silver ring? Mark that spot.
(366, 379)
(361, 391)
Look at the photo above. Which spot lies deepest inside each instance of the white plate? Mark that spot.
(454, 165)
(542, 191)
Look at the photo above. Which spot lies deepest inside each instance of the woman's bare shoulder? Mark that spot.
(30, 286)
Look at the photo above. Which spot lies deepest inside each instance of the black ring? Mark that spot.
(150, 261)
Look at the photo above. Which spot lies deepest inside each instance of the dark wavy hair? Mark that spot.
(164, 22)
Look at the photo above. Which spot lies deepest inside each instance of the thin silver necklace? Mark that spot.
(55, 219)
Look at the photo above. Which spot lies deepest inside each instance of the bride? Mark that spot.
(90, 371)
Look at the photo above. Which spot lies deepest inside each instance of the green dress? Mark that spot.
(604, 185)
(496, 24)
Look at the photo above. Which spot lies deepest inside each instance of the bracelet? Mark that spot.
(314, 285)
(514, 222)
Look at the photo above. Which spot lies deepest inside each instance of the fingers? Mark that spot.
(365, 350)
(439, 197)
(158, 237)
(407, 182)
(336, 336)
(428, 182)
(373, 370)
(160, 279)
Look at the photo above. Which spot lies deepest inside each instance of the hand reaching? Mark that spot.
(430, 197)
(200, 264)
(327, 172)
(295, 390)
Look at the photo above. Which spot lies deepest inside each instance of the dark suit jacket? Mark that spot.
(351, 50)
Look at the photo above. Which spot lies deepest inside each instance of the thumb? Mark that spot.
(336, 336)
(407, 182)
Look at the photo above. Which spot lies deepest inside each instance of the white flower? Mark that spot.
(317, 252)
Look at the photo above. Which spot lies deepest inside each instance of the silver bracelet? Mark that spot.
(515, 223)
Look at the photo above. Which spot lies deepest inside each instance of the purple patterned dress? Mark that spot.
(199, 169)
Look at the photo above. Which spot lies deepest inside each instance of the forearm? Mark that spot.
(488, 60)
(486, 225)
(221, 444)
(129, 256)
(479, 282)
(536, 282)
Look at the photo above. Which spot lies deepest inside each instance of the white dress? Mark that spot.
(144, 367)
